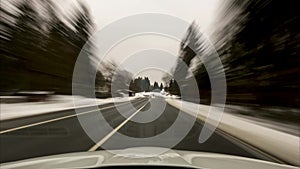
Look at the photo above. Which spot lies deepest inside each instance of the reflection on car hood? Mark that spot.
(143, 156)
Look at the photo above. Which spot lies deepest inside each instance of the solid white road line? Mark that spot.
(104, 139)
(56, 119)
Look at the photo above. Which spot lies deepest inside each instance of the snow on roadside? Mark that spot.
(259, 115)
(53, 104)
(280, 144)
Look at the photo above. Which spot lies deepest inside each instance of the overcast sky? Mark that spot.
(105, 12)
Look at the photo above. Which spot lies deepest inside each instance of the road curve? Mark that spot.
(61, 132)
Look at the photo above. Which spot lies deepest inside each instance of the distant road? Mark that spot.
(61, 132)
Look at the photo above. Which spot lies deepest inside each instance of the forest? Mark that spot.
(39, 46)
(257, 42)
(259, 50)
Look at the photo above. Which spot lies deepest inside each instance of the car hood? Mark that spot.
(143, 156)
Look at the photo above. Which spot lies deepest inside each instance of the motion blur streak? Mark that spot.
(40, 44)
(258, 42)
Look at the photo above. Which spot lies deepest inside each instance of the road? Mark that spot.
(61, 132)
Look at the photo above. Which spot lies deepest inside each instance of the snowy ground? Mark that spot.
(260, 134)
(280, 144)
(58, 103)
(53, 104)
(283, 126)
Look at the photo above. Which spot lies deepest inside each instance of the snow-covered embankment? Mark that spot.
(54, 104)
(276, 143)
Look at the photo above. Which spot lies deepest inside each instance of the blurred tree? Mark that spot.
(161, 86)
(147, 84)
(120, 82)
(140, 84)
(113, 80)
(174, 88)
(83, 25)
(22, 46)
(108, 68)
(39, 49)
(133, 86)
(155, 86)
(261, 52)
(191, 45)
(99, 81)
(166, 78)
(258, 44)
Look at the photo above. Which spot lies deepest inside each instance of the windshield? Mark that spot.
(201, 76)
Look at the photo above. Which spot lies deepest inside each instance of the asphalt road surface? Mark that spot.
(61, 132)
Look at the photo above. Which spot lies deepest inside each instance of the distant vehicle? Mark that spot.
(35, 96)
(123, 93)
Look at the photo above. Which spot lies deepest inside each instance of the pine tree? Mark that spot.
(161, 86)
